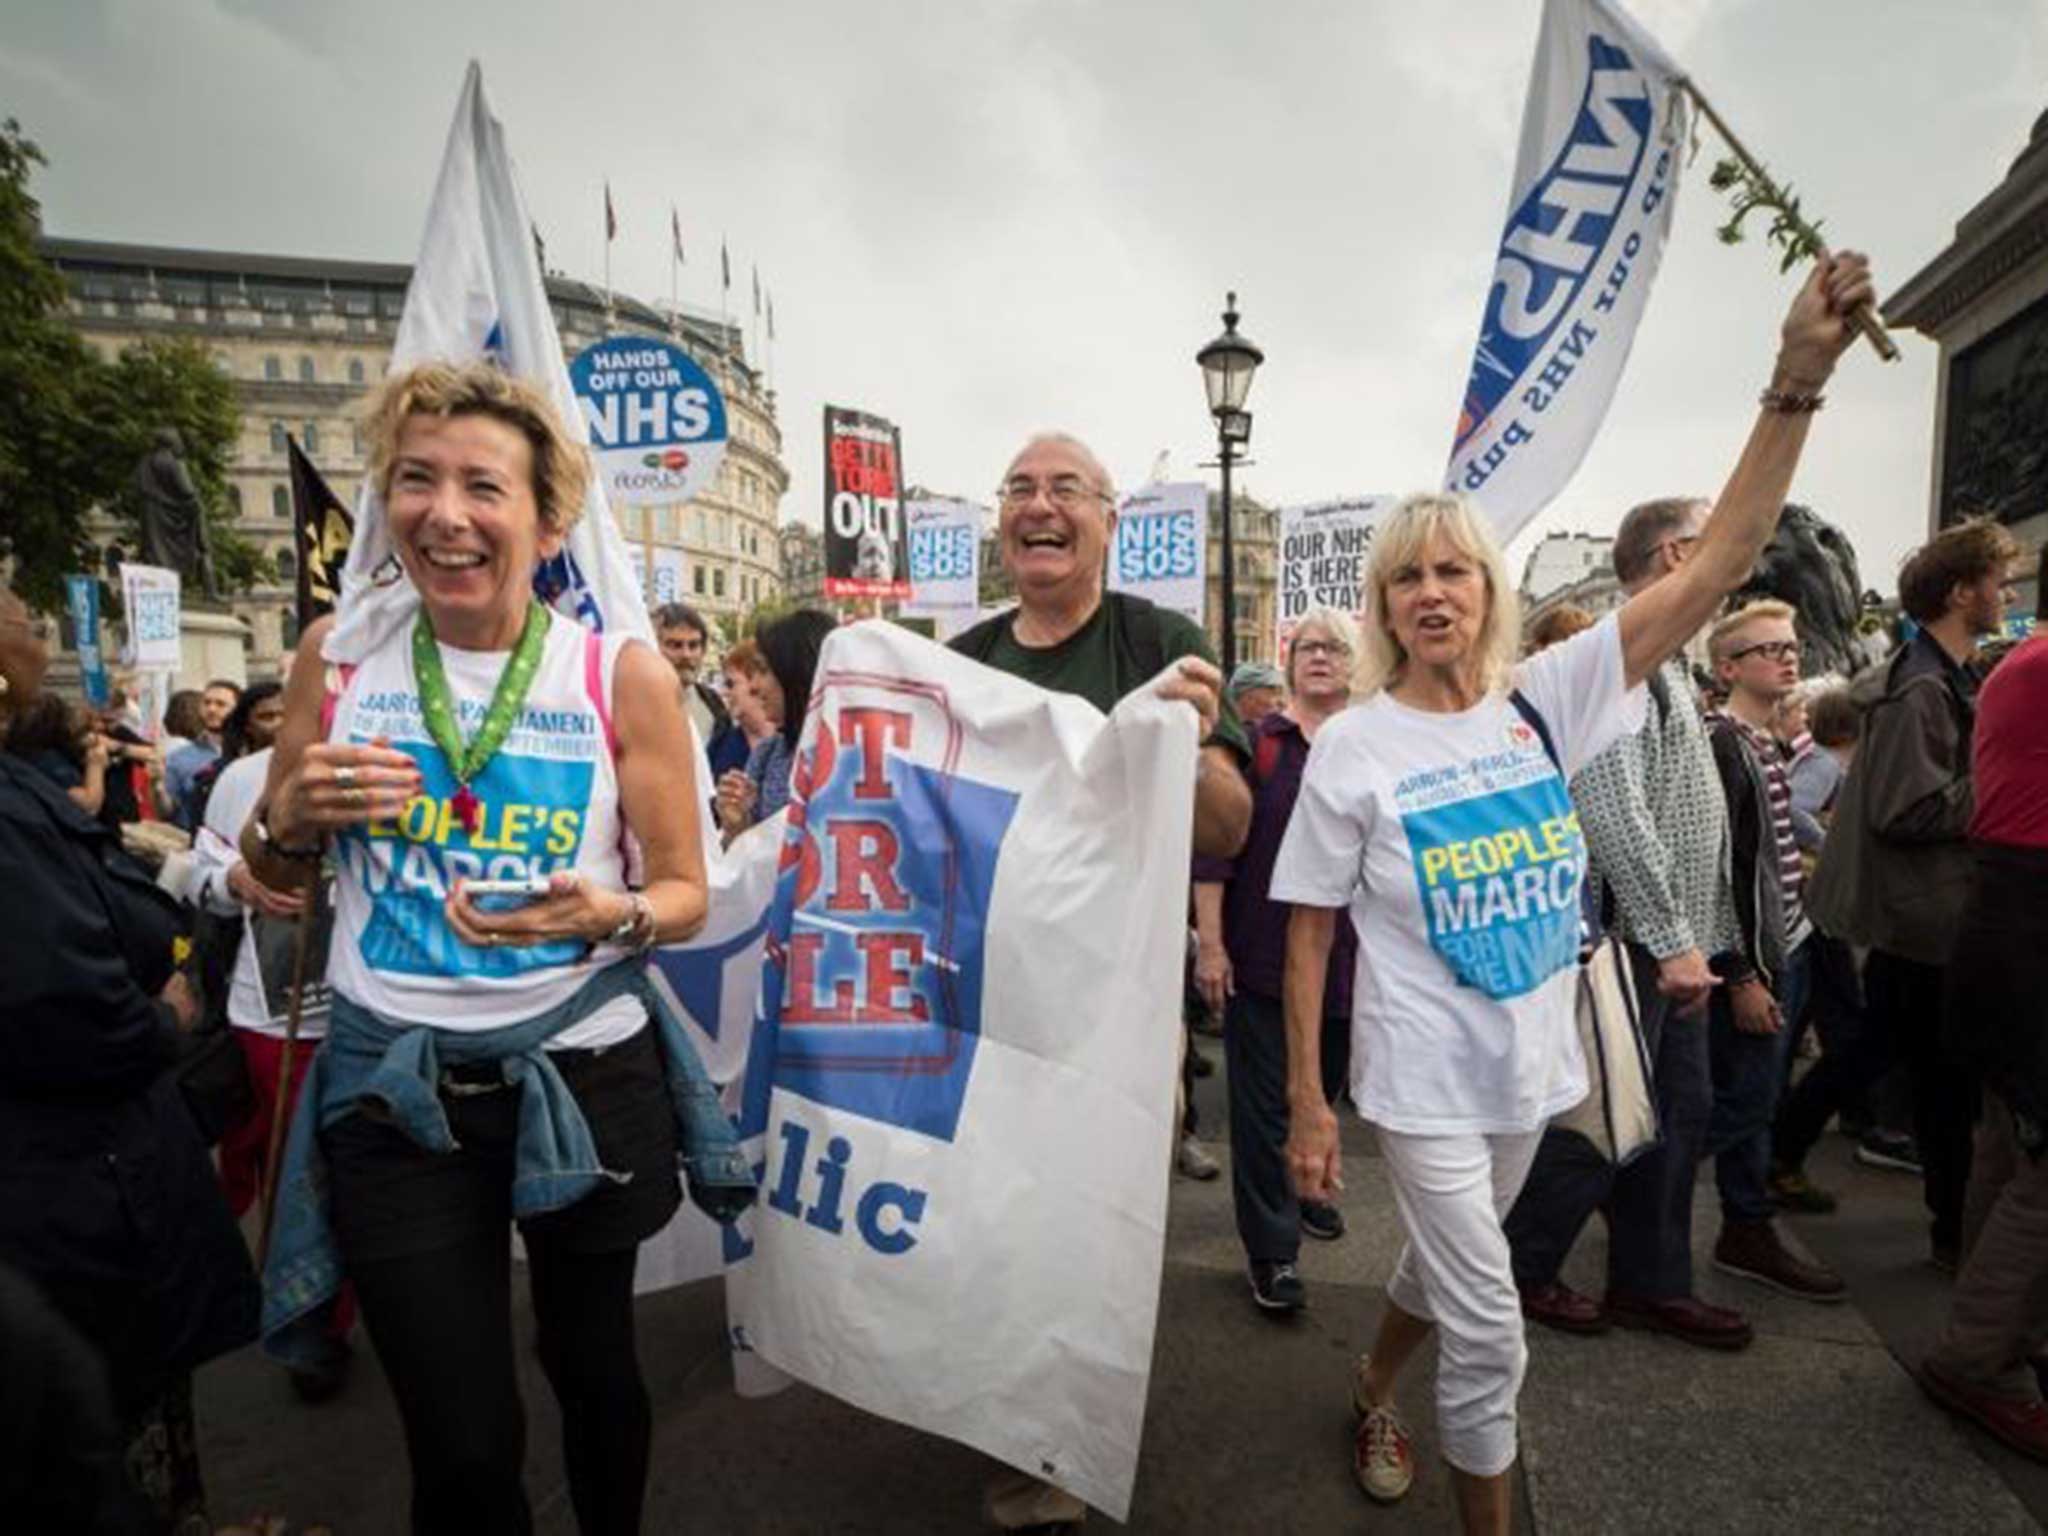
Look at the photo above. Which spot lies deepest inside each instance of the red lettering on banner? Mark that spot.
(864, 855)
(885, 978)
(803, 1005)
(873, 729)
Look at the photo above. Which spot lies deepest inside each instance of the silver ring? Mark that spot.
(344, 774)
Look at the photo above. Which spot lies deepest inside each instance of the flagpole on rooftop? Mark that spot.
(1872, 328)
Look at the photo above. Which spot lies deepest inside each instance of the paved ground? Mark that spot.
(1817, 1428)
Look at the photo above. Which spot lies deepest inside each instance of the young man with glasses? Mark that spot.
(1754, 1013)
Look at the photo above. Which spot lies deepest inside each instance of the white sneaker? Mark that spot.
(1382, 1458)
(1194, 1163)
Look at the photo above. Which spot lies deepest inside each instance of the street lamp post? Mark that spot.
(1228, 364)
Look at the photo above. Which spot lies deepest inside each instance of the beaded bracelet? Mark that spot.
(1788, 402)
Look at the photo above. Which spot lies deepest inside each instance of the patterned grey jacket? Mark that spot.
(1656, 824)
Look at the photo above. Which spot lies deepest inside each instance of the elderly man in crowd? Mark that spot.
(1257, 688)
(1657, 829)
(1056, 515)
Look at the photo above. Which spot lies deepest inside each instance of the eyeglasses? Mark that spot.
(1321, 648)
(1776, 650)
(1065, 492)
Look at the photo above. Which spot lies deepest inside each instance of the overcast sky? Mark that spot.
(984, 217)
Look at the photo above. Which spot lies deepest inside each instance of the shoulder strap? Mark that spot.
(1139, 632)
(1660, 695)
(1540, 726)
(338, 678)
(593, 685)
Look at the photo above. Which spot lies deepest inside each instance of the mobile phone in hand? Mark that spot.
(497, 896)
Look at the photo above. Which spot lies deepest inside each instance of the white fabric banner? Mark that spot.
(1324, 548)
(476, 291)
(1596, 180)
(1161, 549)
(945, 556)
(961, 1089)
(150, 598)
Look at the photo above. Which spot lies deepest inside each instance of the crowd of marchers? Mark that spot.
(1434, 857)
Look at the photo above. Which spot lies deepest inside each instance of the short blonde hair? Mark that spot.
(1720, 639)
(1335, 623)
(561, 465)
(1399, 541)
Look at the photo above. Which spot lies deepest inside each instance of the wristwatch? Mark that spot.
(283, 850)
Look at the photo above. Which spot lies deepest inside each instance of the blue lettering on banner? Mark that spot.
(944, 552)
(1554, 238)
(531, 824)
(1156, 546)
(1498, 875)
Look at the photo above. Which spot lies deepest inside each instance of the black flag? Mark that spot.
(321, 530)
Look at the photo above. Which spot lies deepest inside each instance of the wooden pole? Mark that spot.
(1862, 317)
(301, 946)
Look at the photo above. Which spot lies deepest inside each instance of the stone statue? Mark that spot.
(1810, 564)
(173, 521)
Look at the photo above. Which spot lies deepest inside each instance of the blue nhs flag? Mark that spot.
(1588, 213)
(1160, 550)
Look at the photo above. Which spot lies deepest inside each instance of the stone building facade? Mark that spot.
(305, 339)
(1984, 302)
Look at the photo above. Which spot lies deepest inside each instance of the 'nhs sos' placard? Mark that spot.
(657, 421)
(1161, 547)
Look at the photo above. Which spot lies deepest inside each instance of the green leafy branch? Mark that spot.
(1749, 190)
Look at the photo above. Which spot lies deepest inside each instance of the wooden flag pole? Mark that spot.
(1863, 318)
(301, 946)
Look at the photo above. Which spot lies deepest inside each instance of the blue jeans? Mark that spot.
(1749, 1075)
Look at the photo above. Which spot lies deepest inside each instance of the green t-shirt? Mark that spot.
(1090, 664)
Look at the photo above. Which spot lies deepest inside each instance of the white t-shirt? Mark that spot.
(550, 801)
(1453, 841)
(251, 1005)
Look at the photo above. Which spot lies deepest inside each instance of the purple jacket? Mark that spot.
(1254, 925)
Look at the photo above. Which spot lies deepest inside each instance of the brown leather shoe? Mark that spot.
(1752, 1250)
(1683, 1317)
(1558, 1306)
(2020, 1423)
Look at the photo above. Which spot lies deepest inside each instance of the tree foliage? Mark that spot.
(73, 426)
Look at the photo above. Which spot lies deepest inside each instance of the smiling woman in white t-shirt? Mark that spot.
(1436, 810)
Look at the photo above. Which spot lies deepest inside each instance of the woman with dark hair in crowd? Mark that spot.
(789, 650)
(108, 1204)
(59, 741)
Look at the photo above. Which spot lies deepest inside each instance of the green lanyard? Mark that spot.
(437, 706)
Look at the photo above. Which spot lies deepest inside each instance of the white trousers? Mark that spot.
(1452, 1192)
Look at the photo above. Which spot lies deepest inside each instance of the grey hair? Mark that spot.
(1067, 440)
(1334, 622)
(1643, 528)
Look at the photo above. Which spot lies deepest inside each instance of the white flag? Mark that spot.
(1595, 184)
(476, 291)
(961, 1086)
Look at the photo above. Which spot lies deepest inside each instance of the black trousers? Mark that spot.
(1906, 1006)
(427, 1240)
(1255, 1047)
(1648, 1203)
(1854, 1055)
